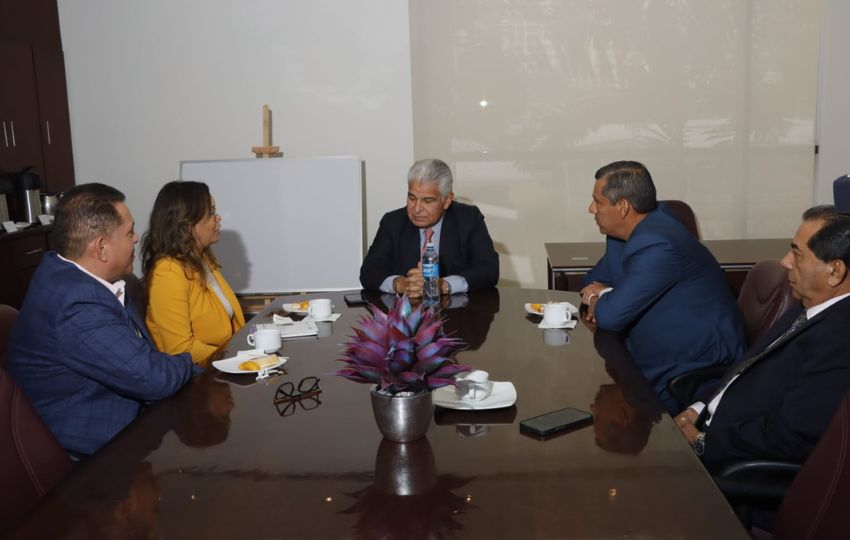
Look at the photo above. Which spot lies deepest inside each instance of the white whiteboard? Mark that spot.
(286, 224)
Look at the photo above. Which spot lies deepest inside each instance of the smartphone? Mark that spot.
(555, 422)
(355, 299)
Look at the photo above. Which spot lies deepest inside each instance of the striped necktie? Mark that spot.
(429, 234)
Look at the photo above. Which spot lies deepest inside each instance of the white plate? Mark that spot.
(231, 365)
(571, 308)
(503, 394)
(294, 308)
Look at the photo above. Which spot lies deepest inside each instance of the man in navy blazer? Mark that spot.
(79, 350)
(777, 401)
(468, 261)
(657, 283)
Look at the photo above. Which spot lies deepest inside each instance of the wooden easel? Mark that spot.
(267, 150)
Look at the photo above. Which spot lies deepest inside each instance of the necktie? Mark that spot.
(429, 233)
(743, 366)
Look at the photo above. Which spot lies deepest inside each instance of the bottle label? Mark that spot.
(430, 270)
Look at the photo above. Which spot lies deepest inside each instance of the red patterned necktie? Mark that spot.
(429, 233)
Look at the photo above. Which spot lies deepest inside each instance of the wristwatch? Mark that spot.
(699, 444)
(448, 286)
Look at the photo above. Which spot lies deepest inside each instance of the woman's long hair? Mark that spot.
(179, 206)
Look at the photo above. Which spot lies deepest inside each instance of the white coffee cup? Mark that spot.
(267, 339)
(320, 308)
(555, 314)
(473, 385)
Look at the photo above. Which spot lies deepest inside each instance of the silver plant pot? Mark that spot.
(402, 419)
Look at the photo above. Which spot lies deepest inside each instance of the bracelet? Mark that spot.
(395, 285)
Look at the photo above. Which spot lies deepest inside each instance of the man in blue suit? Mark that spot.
(468, 261)
(79, 350)
(657, 283)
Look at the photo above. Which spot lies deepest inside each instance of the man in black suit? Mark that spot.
(777, 401)
(468, 261)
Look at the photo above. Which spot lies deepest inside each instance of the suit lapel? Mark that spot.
(409, 248)
(449, 242)
(135, 321)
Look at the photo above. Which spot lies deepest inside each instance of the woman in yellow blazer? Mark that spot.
(191, 308)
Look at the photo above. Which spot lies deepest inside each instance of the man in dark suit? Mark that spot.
(657, 282)
(79, 350)
(777, 401)
(468, 261)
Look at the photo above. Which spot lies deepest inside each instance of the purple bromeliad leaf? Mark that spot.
(450, 370)
(426, 334)
(429, 365)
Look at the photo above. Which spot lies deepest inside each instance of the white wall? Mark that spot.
(155, 82)
(833, 131)
(718, 99)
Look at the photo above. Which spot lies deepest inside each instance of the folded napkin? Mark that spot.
(569, 324)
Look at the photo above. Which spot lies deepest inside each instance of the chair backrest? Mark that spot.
(841, 194)
(816, 504)
(683, 213)
(764, 297)
(8, 314)
(31, 460)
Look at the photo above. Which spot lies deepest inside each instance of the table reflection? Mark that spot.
(408, 499)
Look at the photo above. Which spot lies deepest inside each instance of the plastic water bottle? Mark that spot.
(431, 273)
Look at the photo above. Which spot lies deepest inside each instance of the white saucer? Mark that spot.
(568, 324)
(571, 308)
(503, 394)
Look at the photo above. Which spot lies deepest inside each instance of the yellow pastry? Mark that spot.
(257, 364)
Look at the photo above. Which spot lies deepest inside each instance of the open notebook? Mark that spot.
(293, 329)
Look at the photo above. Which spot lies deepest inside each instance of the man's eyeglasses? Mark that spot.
(287, 391)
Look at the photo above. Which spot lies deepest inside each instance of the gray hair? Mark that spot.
(430, 171)
(628, 180)
(84, 213)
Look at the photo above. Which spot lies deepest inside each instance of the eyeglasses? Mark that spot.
(306, 402)
(288, 397)
(308, 386)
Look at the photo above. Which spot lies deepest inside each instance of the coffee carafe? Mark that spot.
(28, 186)
(6, 188)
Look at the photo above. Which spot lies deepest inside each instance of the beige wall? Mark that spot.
(717, 98)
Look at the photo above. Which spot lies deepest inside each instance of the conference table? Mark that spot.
(221, 460)
(568, 262)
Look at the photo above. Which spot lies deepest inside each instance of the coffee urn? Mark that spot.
(6, 188)
(28, 186)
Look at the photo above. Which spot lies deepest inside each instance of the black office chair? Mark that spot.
(841, 194)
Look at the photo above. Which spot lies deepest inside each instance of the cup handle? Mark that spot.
(251, 339)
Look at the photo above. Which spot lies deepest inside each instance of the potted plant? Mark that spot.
(406, 355)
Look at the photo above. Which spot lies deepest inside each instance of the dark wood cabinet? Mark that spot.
(19, 123)
(20, 253)
(54, 120)
(35, 129)
(30, 21)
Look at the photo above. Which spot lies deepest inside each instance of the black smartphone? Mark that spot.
(555, 422)
(355, 299)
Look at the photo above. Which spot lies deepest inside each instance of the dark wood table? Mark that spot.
(218, 460)
(568, 262)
